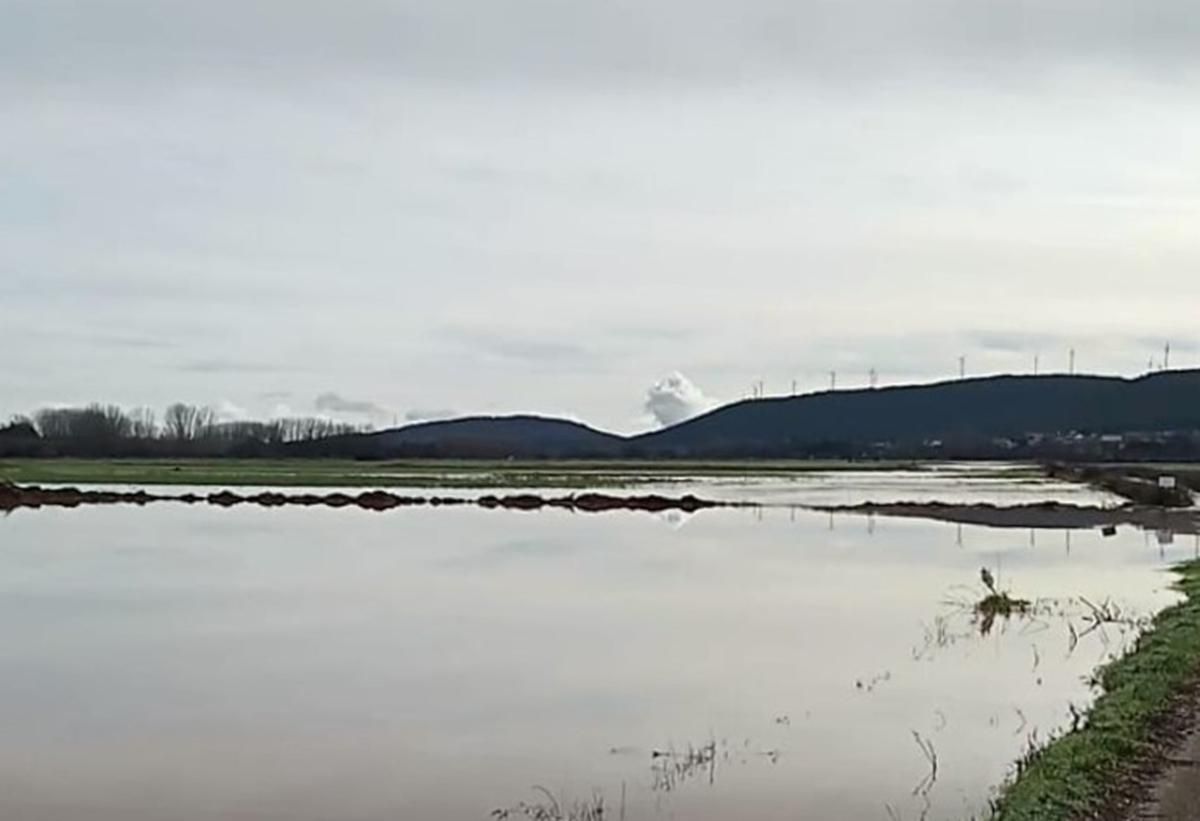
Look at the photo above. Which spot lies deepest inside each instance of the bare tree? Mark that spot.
(187, 423)
(143, 424)
(110, 422)
(92, 428)
(99, 430)
(56, 423)
(310, 428)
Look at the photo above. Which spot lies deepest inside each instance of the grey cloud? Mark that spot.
(322, 187)
(101, 339)
(547, 348)
(221, 365)
(428, 414)
(719, 41)
(1178, 344)
(664, 332)
(333, 403)
(922, 356)
(538, 349)
(1014, 341)
(133, 342)
(1057, 346)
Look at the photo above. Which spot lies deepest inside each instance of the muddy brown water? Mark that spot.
(205, 663)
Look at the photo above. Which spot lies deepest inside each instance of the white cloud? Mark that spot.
(674, 399)
(227, 411)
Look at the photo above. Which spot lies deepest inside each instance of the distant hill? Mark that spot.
(478, 437)
(965, 417)
(985, 408)
(517, 436)
(1054, 418)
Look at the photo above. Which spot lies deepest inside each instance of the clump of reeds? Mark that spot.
(672, 768)
(549, 808)
(997, 604)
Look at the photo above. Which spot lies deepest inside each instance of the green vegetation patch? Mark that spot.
(296, 473)
(400, 473)
(1075, 775)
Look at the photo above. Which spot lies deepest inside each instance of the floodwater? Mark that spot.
(997, 483)
(959, 483)
(199, 663)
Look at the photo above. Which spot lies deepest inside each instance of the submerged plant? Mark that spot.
(549, 808)
(673, 768)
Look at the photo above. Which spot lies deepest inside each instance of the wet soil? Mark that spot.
(31, 496)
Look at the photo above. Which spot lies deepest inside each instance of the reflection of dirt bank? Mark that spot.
(17, 496)
(1047, 515)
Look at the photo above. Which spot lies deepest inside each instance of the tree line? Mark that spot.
(185, 430)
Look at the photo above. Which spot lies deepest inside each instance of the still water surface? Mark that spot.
(197, 663)
(997, 483)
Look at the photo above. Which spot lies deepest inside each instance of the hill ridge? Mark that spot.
(970, 414)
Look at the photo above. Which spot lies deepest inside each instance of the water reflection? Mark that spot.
(272, 664)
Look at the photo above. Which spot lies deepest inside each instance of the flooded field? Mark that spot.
(198, 663)
(957, 483)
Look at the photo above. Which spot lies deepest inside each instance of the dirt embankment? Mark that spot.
(1141, 486)
(31, 496)
(1151, 505)
(1041, 515)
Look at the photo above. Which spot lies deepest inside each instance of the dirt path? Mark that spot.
(1174, 795)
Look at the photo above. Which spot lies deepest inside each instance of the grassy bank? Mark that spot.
(413, 473)
(1079, 773)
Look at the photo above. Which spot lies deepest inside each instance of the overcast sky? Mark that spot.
(396, 208)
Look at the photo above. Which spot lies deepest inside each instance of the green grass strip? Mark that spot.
(1075, 774)
(403, 473)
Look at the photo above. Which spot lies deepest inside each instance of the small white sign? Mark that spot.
(1166, 482)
